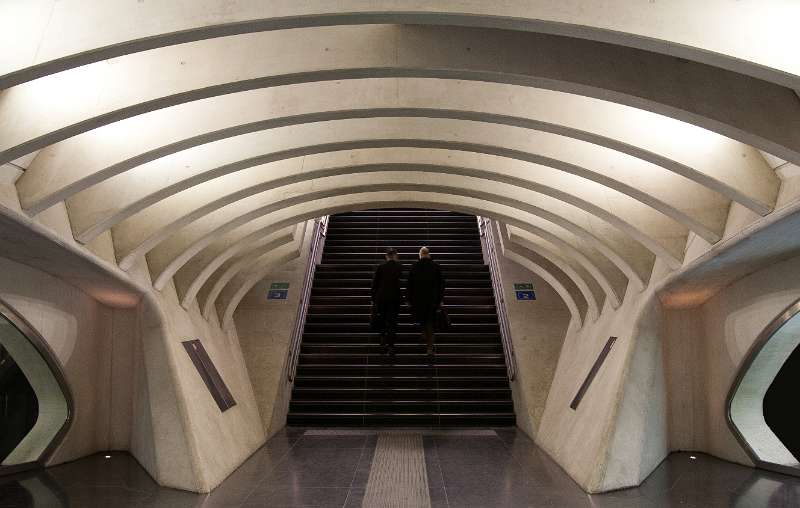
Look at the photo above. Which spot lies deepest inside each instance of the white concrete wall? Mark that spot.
(92, 343)
(617, 435)
(704, 350)
(265, 328)
(133, 383)
(538, 329)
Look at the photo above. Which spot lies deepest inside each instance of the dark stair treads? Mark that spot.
(344, 376)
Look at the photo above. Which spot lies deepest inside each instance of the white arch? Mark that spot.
(162, 232)
(266, 253)
(564, 64)
(668, 29)
(187, 254)
(751, 197)
(303, 197)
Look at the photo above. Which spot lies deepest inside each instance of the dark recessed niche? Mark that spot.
(593, 372)
(208, 372)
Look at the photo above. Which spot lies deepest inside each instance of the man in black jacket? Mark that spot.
(425, 294)
(386, 299)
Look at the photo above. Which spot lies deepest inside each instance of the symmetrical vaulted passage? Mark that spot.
(637, 163)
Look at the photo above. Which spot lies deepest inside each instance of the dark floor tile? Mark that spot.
(489, 492)
(331, 442)
(355, 498)
(438, 497)
(317, 467)
(290, 495)
(432, 465)
(504, 469)
(361, 475)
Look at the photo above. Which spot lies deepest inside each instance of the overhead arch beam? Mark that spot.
(44, 201)
(577, 312)
(549, 257)
(581, 23)
(264, 244)
(191, 250)
(179, 222)
(591, 290)
(755, 112)
(229, 301)
(667, 210)
(568, 296)
(271, 257)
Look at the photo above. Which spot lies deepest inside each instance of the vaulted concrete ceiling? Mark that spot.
(199, 137)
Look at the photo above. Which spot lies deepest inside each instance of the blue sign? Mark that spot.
(277, 294)
(525, 295)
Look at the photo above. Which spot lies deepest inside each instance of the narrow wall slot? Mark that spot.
(208, 372)
(593, 372)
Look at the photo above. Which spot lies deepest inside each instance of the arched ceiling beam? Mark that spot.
(200, 270)
(221, 277)
(164, 275)
(562, 286)
(667, 251)
(248, 264)
(706, 227)
(753, 111)
(227, 302)
(192, 279)
(546, 258)
(554, 217)
(592, 291)
(753, 40)
(736, 186)
(382, 199)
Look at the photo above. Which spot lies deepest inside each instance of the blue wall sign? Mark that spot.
(277, 294)
(525, 295)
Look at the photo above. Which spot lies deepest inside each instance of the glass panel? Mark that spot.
(780, 404)
(758, 402)
(33, 404)
(19, 407)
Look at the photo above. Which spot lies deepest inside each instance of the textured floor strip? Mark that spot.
(397, 478)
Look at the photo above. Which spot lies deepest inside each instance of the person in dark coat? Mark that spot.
(425, 293)
(386, 299)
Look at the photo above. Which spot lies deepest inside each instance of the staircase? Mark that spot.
(342, 376)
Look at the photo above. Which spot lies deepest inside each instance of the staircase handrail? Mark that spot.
(317, 241)
(488, 241)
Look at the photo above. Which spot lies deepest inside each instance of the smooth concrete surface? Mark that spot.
(264, 328)
(704, 350)
(460, 468)
(79, 331)
(754, 36)
(537, 330)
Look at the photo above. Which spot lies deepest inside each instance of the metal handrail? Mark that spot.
(488, 241)
(320, 230)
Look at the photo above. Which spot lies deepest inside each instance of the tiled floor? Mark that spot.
(464, 469)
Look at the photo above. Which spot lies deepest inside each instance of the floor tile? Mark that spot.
(464, 469)
(279, 496)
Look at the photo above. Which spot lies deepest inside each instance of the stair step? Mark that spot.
(322, 369)
(401, 348)
(401, 419)
(414, 406)
(405, 381)
(365, 291)
(404, 359)
(360, 393)
(442, 338)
